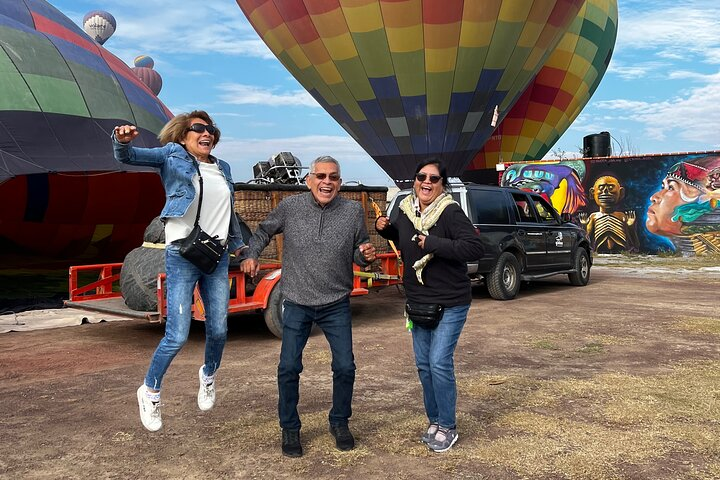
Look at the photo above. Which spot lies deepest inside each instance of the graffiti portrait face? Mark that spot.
(663, 204)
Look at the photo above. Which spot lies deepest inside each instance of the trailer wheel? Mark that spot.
(274, 311)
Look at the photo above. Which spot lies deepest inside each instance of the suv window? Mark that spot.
(488, 206)
(523, 208)
(544, 210)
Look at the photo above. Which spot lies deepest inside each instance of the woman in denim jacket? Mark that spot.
(187, 142)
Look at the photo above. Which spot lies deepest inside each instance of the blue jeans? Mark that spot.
(434, 351)
(215, 292)
(335, 322)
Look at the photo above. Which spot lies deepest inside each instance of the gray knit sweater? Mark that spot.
(319, 246)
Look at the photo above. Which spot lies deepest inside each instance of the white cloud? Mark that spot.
(239, 94)
(212, 27)
(693, 117)
(679, 28)
(632, 72)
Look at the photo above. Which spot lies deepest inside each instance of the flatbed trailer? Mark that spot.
(102, 292)
(97, 287)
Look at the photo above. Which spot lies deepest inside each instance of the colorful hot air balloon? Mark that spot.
(62, 193)
(144, 61)
(561, 89)
(100, 25)
(413, 78)
(150, 78)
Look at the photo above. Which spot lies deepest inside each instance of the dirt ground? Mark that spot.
(618, 379)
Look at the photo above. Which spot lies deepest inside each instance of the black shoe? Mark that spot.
(291, 446)
(344, 440)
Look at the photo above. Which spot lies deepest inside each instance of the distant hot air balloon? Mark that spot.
(409, 79)
(144, 61)
(100, 25)
(560, 90)
(62, 192)
(150, 78)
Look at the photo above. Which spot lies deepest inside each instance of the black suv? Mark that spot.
(524, 238)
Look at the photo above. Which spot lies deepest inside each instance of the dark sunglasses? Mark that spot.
(200, 128)
(334, 177)
(421, 177)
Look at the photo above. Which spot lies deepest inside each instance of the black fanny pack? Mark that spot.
(202, 250)
(425, 315)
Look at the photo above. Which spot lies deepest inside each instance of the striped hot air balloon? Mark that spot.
(409, 79)
(150, 78)
(62, 193)
(560, 90)
(144, 61)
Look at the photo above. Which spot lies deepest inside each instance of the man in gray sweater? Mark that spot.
(323, 234)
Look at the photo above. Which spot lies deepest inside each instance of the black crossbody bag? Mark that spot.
(425, 315)
(200, 248)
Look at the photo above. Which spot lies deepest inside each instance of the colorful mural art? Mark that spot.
(649, 204)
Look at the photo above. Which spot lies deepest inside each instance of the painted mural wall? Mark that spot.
(646, 204)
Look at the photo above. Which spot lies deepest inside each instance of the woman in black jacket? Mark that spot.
(436, 240)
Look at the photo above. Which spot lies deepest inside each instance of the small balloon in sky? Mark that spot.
(150, 78)
(100, 25)
(144, 61)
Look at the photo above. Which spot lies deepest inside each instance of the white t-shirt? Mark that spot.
(216, 206)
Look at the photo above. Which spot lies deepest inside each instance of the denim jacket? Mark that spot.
(176, 172)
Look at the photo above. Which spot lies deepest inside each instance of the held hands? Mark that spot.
(381, 223)
(125, 133)
(250, 266)
(368, 251)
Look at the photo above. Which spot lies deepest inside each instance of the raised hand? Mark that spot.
(125, 133)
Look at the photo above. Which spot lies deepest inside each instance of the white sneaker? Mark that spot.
(206, 393)
(149, 411)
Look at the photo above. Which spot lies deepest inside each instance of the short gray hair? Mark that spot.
(324, 159)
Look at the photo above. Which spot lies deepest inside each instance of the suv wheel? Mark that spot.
(581, 264)
(503, 282)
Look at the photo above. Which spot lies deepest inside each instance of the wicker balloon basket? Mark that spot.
(253, 202)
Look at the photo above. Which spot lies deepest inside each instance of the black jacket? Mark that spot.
(454, 242)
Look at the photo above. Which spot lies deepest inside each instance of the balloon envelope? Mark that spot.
(144, 61)
(560, 90)
(150, 78)
(411, 79)
(100, 25)
(60, 96)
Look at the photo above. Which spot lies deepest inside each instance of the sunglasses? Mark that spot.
(334, 177)
(421, 177)
(200, 128)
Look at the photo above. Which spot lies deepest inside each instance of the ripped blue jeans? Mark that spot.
(215, 292)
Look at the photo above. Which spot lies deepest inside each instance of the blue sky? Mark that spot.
(661, 93)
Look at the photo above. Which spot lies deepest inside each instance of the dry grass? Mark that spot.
(591, 429)
(700, 325)
(664, 261)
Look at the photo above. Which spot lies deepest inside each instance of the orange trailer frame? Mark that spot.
(102, 294)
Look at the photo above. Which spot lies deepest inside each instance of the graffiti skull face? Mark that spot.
(607, 191)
